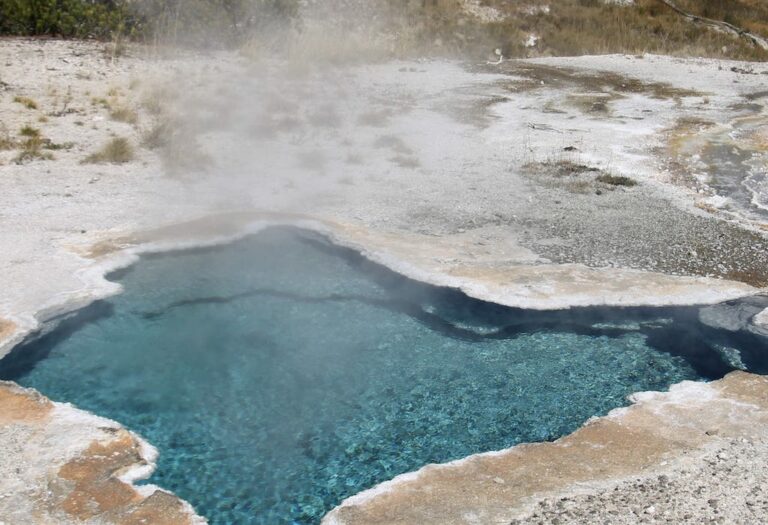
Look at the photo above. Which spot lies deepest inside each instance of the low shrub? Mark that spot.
(26, 102)
(67, 18)
(116, 151)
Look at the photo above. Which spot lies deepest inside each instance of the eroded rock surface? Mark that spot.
(62, 465)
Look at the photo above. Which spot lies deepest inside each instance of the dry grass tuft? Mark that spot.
(32, 146)
(124, 114)
(578, 27)
(116, 151)
(26, 102)
(6, 141)
(616, 180)
(575, 177)
(30, 132)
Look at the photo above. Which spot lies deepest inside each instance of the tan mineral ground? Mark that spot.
(483, 178)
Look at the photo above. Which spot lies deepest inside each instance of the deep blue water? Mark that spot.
(279, 375)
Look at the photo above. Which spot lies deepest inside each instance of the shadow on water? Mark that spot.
(23, 358)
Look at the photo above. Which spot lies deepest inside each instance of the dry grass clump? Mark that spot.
(173, 134)
(177, 146)
(577, 27)
(591, 103)
(118, 111)
(751, 15)
(612, 86)
(116, 151)
(32, 146)
(6, 141)
(26, 102)
(566, 168)
(123, 114)
(616, 180)
(575, 177)
(156, 99)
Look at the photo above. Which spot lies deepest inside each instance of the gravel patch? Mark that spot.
(727, 485)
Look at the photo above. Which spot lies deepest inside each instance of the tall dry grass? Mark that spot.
(577, 27)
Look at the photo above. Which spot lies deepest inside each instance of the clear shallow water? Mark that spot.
(279, 375)
(737, 173)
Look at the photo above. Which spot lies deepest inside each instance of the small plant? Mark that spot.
(31, 147)
(616, 180)
(562, 168)
(54, 146)
(6, 142)
(30, 132)
(123, 114)
(116, 151)
(26, 102)
(100, 101)
(156, 100)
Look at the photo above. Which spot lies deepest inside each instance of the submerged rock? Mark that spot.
(742, 314)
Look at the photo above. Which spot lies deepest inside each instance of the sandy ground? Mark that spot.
(485, 178)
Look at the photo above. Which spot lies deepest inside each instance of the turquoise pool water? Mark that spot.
(279, 374)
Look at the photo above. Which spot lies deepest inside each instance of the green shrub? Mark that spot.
(188, 22)
(67, 18)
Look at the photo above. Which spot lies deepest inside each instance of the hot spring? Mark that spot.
(279, 374)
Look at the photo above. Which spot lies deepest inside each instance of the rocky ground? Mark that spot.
(726, 485)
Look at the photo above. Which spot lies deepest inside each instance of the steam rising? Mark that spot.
(325, 123)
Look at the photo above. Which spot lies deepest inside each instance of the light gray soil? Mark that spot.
(730, 485)
(628, 227)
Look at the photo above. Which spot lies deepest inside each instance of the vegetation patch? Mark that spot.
(566, 28)
(564, 168)
(68, 18)
(575, 177)
(6, 141)
(116, 151)
(26, 102)
(31, 146)
(578, 27)
(611, 86)
(124, 114)
(616, 180)
(592, 104)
